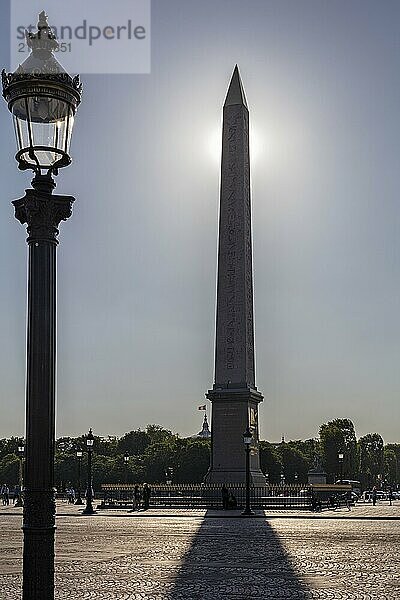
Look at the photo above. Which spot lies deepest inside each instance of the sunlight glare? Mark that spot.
(214, 145)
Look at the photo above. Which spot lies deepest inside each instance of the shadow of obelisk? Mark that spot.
(234, 396)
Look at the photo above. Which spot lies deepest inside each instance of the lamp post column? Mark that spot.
(43, 100)
(126, 463)
(247, 439)
(78, 501)
(21, 449)
(341, 458)
(42, 212)
(89, 510)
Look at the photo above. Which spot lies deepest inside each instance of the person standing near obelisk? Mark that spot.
(234, 396)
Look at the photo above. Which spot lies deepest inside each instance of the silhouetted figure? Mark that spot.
(316, 505)
(17, 493)
(232, 502)
(374, 495)
(225, 497)
(5, 493)
(137, 497)
(146, 496)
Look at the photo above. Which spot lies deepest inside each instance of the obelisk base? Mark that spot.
(233, 409)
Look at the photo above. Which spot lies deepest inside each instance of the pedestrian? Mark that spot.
(232, 502)
(137, 496)
(390, 496)
(374, 495)
(146, 496)
(17, 492)
(6, 494)
(225, 497)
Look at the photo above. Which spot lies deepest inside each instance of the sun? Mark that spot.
(214, 145)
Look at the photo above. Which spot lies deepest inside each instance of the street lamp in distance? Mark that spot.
(89, 510)
(21, 451)
(340, 459)
(79, 500)
(126, 464)
(247, 440)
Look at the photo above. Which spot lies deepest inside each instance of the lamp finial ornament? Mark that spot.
(43, 22)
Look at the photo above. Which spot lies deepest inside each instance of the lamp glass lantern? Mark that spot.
(90, 440)
(126, 458)
(42, 98)
(340, 456)
(21, 450)
(79, 453)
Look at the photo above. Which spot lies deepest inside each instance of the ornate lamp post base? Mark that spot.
(89, 510)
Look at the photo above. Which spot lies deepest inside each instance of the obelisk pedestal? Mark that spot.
(234, 396)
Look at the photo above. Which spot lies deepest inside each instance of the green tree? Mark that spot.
(65, 469)
(339, 436)
(10, 445)
(9, 470)
(106, 469)
(270, 462)
(192, 461)
(158, 434)
(396, 449)
(390, 466)
(371, 458)
(294, 463)
(134, 442)
(158, 457)
(331, 443)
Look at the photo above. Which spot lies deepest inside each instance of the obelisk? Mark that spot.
(234, 396)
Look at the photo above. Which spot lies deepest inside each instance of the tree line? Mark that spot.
(157, 455)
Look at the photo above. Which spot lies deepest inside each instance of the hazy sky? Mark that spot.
(137, 261)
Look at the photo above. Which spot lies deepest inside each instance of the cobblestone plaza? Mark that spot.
(195, 555)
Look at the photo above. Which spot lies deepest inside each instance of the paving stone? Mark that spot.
(191, 557)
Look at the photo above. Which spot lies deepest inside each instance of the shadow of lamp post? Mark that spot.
(43, 100)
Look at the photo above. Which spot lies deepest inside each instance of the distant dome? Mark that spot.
(205, 433)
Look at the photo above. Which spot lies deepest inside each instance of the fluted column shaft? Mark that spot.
(42, 212)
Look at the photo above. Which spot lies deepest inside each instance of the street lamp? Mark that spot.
(79, 500)
(126, 463)
(89, 510)
(43, 100)
(21, 451)
(247, 440)
(169, 472)
(340, 458)
(282, 478)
